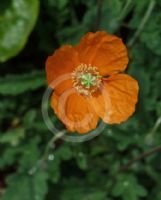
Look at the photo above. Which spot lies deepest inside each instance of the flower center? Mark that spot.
(86, 79)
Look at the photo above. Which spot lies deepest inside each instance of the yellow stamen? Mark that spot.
(86, 79)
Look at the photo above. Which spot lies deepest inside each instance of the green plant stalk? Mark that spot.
(56, 137)
(40, 163)
(150, 135)
(143, 22)
(125, 10)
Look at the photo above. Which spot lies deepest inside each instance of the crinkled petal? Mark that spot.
(117, 99)
(105, 51)
(59, 66)
(74, 111)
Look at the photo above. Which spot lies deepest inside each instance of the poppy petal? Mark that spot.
(60, 65)
(116, 102)
(105, 51)
(74, 111)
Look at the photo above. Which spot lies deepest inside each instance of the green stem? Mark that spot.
(44, 157)
(150, 135)
(143, 22)
(156, 126)
(125, 10)
(56, 137)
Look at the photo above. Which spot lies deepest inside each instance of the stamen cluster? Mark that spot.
(86, 79)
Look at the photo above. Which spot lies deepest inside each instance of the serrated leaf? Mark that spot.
(9, 156)
(17, 84)
(31, 155)
(22, 186)
(13, 136)
(127, 188)
(17, 19)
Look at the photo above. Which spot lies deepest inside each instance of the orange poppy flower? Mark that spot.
(96, 86)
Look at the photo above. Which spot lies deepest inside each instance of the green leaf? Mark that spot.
(127, 188)
(151, 35)
(64, 152)
(31, 155)
(82, 190)
(29, 118)
(158, 108)
(54, 160)
(140, 8)
(17, 84)
(72, 34)
(158, 196)
(22, 186)
(82, 160)
(110, 16)
(13, 136)
(9, 156)
(54, 168)
(17, 19)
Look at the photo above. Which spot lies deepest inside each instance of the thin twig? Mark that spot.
(148, 153)
(143, 22)
(140, 157)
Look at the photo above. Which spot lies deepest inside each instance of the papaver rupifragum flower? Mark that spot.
(96, 87)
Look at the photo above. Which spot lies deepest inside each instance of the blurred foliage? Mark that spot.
(17, 18)
(91, 170)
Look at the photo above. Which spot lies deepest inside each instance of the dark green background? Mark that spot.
(93, 170)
